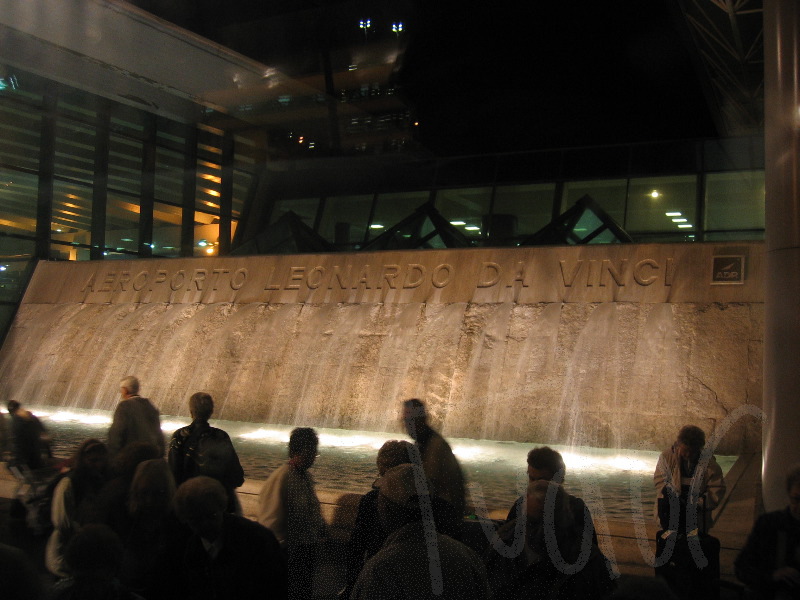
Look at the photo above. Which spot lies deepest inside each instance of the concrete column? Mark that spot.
(781, 441)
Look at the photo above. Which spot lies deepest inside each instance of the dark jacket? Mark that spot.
(535, 574)
(199, 449)
(250, 564)
(366, 538)
(28, 443)
(774, 542)
(580, 513)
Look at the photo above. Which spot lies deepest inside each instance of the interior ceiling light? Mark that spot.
(457, 223)
(654, 194)
(680, 220)
(685, 226)
(472, 228)
(673, 214)
(376, 226)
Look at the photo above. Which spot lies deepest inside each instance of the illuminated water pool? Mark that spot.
(495, 471)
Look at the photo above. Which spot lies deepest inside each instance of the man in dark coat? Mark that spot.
(30, 445)
(228, 557)
(135, 420)
(199, 449)
(769, 563)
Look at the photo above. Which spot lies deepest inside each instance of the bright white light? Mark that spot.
(673, 214)
(171, 426)
(685, 226)
(202, 243)
(267, 434)
(654, 194)
(345, 441)
(65, 416)
(472, 228)
(209, 251)
(626, 463)
(466, 452)
(457, 223)
(3, 267)
(376, 226)
(680, 220)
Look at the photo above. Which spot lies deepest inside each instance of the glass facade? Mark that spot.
(83, 177)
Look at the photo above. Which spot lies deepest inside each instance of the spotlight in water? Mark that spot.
(466, 452)
(267, 434)
(65, 416)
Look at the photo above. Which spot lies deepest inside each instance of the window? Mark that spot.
(465, 208)
(609, 194)
(392, 208)
(530, 205)
(662, 204)
(734, 200)
(344, 221)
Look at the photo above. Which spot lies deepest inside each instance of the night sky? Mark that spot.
(538, 75)
(498, 76)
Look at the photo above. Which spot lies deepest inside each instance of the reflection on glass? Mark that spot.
(610, 194)
(735, 200)
(465, 204)
(166, 229)
(305, 208)
(206, 234)
(530, 204)
(72, 215)
(648, 212)
(122, 223)
(344, 220)
(18, 194)
(390, 209)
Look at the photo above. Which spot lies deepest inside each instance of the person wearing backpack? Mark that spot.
(199, 449)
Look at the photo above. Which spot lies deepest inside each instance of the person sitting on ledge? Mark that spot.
(769, 563)
(680, 475)
(546, 464)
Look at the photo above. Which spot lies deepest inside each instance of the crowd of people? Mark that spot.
(135, 517)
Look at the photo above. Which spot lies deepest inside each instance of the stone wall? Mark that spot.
(613, 346)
